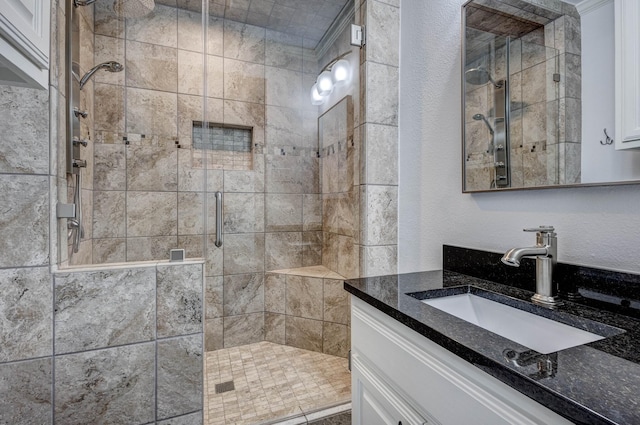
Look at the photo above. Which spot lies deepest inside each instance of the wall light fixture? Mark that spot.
(337, 73)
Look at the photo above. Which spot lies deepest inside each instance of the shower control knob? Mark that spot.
(499, 164)
(77, 142)
(78, 113)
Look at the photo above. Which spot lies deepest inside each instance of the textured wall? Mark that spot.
(308, 309)
(129, 344)
(378, 132)
(598, 226)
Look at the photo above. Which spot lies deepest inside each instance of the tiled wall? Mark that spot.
(377, 129)
(340, 205)
(149, 180)
(29, 179)
(84, 16)
(308, 309)
(129, 344)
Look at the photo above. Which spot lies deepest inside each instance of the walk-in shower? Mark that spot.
(201, 128)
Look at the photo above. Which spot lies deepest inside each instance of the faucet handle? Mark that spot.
(540, 229)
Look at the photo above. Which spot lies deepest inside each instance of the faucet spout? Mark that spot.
(545, 251)
(514, 255)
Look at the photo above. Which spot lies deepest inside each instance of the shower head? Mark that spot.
(479, 117)
(480, 76)
(111, 66)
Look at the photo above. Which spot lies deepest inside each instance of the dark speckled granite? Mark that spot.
(596, 383)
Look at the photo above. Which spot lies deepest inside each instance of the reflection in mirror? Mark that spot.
(522, 94)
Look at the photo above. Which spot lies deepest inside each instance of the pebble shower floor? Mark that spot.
(270, 382)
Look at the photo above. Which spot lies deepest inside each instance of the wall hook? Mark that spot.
(608, 140)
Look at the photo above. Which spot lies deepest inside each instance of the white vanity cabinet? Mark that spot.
(399, 377)
(627, 73)
(24, 43)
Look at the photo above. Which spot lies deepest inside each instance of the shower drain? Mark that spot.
(224, 387)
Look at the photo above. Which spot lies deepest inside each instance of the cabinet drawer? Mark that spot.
(435, 381)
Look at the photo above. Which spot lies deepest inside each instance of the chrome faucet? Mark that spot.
(546, 253)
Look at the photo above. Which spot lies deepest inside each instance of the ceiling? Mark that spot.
(309, 19)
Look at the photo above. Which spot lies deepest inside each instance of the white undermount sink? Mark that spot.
(535, 332)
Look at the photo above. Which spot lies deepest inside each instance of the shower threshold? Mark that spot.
(274, 384)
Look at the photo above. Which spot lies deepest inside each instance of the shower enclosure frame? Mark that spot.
(501, 88)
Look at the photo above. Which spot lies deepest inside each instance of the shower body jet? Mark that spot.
(110, 66)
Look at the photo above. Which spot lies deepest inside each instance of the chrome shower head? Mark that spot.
(479, 76)
(479, 117)
(111, 66)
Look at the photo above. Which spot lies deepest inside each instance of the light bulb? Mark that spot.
(324, 83)
(340, 72)
(316, 99)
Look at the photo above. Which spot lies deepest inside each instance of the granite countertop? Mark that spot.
(596, 383)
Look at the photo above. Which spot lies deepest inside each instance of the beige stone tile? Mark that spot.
(244, 81)
(243, 329)
(243, 212)
(111, 250)
(190, 30)
(283, 50)
(274, 328)
(151, 112)
(336, 303)
(304, 333)
(110, 114)
(244, 253)
(312, 248)
(302, 297)
(151, 66)
(383, 20)
(283, 250)
(159, 27)
(109, 214)
(151, 214)
(244, 42)
(152, 168)
(150, 248)
(283, 212)
(190, 213)
(243, 294)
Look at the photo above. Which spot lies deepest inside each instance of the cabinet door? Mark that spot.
(627, 74)
(24, 42)
(376, 403)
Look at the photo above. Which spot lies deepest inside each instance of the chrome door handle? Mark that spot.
(218, 241)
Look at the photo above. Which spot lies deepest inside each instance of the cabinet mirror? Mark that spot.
(538, 96)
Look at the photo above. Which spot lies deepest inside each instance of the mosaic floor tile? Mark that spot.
(272, 382)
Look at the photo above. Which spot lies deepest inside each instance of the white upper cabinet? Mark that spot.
(24, 42)
(627, 35)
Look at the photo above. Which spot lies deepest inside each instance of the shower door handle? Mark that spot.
(218, 219)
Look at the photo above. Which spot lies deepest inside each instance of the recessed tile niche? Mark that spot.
(222, 146)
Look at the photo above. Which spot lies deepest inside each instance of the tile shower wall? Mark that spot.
(142, 367)
(86, 103)
(147, 187)
(255, 77)
(308, 310)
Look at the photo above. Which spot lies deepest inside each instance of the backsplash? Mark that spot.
(607, 289)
